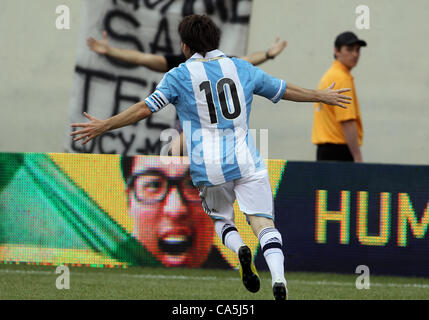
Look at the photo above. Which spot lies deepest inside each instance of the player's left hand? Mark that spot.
(333, 97)
(90, 130)
(277, 47)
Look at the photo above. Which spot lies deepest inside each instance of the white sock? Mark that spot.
(228, 233)
(271, 243)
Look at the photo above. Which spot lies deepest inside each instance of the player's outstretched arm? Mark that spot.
(327, 96)
(257, 58)
(96, 127)
(151, 61)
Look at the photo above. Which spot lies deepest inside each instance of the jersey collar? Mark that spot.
(209, 55)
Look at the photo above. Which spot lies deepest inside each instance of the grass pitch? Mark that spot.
(22, 282)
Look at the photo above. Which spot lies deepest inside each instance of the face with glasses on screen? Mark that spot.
(168, 217)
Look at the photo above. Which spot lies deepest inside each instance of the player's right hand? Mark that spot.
(89, 130)
(98, 46)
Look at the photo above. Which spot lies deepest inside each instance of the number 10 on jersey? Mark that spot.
(222, 96)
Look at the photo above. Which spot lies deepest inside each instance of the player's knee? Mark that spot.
(259, 223)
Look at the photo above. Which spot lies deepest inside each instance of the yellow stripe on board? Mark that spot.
(54, 256)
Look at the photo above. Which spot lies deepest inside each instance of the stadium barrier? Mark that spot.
(78, 209)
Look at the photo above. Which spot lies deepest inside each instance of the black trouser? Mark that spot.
(333, 152)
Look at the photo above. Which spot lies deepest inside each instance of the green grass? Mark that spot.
(38, 282)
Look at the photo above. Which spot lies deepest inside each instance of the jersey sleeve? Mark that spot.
(350, 113)
(164, 94)
(267, 86)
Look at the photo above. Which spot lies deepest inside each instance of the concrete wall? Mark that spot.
(392, 78)
(37, 66)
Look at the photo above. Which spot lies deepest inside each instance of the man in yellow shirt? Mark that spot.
(338, 132)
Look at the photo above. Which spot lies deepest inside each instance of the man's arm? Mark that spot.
(327, 96)
(151, 61)
(257, 58)
(96, 127)
(351, 134)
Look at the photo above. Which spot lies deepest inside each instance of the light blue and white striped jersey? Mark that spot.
(213, 98)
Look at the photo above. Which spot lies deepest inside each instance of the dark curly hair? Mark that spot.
(199, 33)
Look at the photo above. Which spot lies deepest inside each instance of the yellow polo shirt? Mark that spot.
(327, 119)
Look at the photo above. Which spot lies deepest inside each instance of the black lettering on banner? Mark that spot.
(100, 142)
(236, 18)
(108, 19)
(120, 97)
(125, 143)
(122, 14)
(222, 9)
(149, 4)
(98, 145)
(210, 6)
(188, 8)
(210, 9)
(163, 29)
(150, 148)
(166, 6)
(133, 2)
(89, 74)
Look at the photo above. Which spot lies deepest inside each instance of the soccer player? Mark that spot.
(161, 63)
(213, 98)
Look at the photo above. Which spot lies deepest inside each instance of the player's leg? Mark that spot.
(255, 198)
(218, 203)
(227, 231)
(271, 243)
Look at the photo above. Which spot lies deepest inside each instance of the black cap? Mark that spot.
(348, 38)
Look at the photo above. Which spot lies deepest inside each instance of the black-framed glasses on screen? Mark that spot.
(152, 186)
